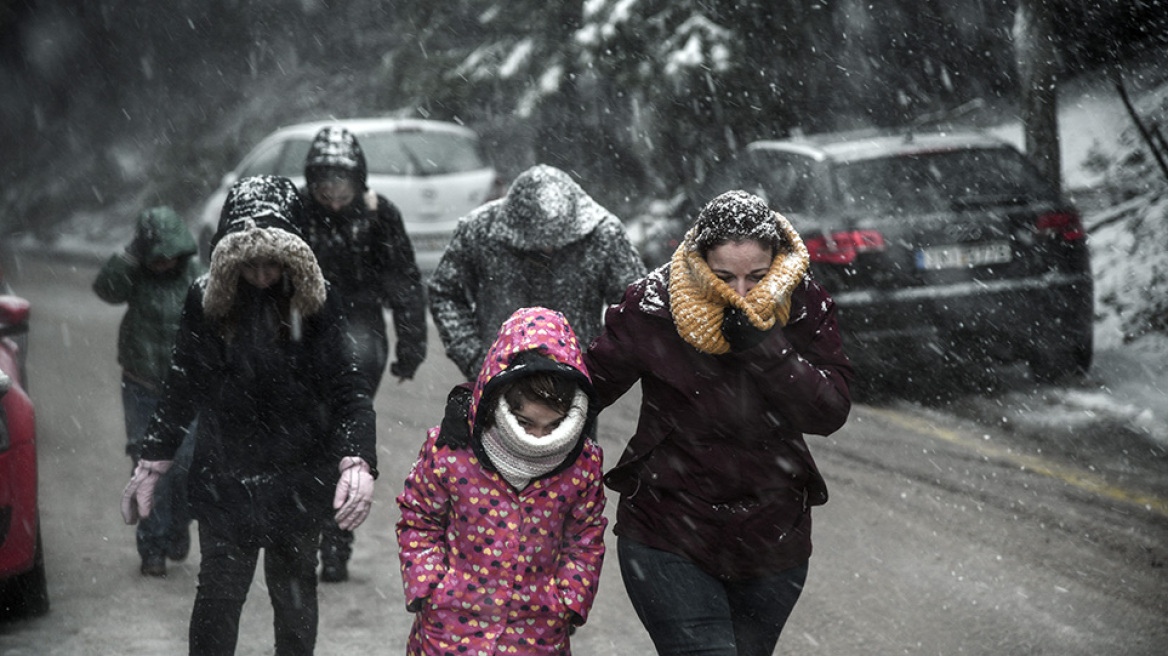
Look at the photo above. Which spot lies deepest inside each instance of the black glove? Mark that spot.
(738, 330)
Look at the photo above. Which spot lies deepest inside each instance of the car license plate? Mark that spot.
(429, 242)
(960, 256)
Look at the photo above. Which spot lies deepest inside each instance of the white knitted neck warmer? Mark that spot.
(520, 457)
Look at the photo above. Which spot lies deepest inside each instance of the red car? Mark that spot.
(23, 587)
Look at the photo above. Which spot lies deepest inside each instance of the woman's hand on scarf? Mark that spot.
(738, 330)
(354, 494)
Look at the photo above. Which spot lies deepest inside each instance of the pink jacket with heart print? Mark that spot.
(489, 569)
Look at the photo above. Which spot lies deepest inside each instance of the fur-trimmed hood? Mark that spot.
(259, 222)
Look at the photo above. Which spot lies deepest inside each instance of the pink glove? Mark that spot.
(138, 497)
(354, 493)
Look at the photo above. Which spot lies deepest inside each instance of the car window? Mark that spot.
(941, 181)
(291, 163)
(264, 162)
(421, 153)
(789, 182)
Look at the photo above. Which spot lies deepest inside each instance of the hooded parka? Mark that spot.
(365, 253)
(718, 470)
(546, 243)
(154, 299)
(490, 569)
(270, 375)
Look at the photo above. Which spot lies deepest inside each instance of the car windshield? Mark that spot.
(788, 182)
(420, 153)
(939, 181)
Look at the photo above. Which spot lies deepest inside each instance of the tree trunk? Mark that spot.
(1037, 53)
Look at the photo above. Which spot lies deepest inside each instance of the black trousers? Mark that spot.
(689, 612)
(225, 574)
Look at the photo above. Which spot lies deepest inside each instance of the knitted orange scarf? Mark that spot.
(698, 298)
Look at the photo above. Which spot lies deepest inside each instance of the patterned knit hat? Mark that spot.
(335, 148)
(736, 216)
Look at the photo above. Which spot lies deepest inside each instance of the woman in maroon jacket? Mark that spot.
(738, 355)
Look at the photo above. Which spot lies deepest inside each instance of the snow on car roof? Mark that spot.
(854, 146)
(366, 125)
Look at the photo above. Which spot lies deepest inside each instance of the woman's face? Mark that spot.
(335, 193)
(262, 273)
(740, 264)
(538, 419)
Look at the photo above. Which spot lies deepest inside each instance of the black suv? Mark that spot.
(939, 249)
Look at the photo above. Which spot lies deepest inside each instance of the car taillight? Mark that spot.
(842, 247)
(1061, 225)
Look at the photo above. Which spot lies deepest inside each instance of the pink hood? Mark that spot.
(529, 329)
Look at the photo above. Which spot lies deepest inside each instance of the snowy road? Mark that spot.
(943, 535)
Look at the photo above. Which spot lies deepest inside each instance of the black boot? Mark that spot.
(180, 544)
(335, 549)
(154, 565)
(333, 570)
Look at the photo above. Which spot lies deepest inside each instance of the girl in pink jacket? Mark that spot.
(501, 536)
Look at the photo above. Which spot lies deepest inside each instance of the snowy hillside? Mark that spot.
(1127, 223)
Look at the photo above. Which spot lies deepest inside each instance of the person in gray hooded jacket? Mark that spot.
(545, 243)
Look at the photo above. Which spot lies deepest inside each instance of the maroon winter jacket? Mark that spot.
(717, 470)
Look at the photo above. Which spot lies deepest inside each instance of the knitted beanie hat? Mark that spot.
(736, 216)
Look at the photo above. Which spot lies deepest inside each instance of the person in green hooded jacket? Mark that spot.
(151, 276)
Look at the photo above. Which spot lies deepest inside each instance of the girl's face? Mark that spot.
(740, 264)
(262, 273)
(538, 419)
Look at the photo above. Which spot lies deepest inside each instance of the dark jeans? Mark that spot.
(170, 519)
(225, 574)
(688, 611)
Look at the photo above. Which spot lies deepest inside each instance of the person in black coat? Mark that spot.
(285, 438)
(360, 241)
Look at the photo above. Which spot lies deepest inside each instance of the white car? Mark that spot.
(435, 172)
